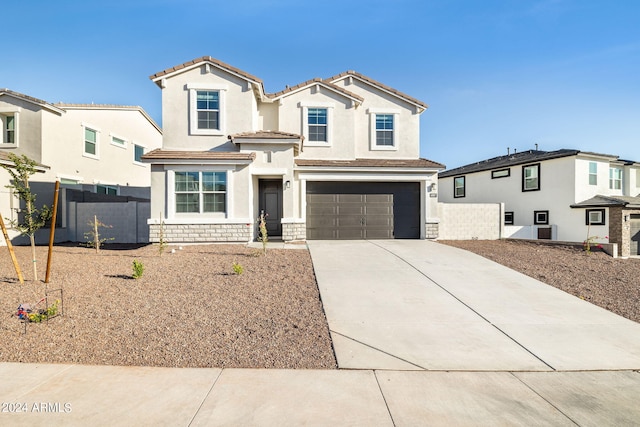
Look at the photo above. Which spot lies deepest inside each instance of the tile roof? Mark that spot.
(529, 156)
(195, 62)
(376, 83)
(28, 98)
(69, 106)
(159, 154)
(6, 159)
(311, 82)
(266, 134)
(375, 163)
(606, 201)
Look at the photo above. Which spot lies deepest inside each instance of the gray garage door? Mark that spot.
(635, 234)
(342, 210)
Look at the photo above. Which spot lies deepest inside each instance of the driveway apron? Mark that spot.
(421, 305)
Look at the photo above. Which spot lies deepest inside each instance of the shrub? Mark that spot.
(237, 269)
(138, 269)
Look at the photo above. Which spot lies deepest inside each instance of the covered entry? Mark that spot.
(635, 234)
(363, 210)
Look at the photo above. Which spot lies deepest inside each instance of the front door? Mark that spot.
(270, 191)
(635, 234)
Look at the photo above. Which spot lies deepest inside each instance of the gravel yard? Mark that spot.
(610, 283)
(187, 310)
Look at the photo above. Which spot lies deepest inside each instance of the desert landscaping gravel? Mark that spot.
(610, 283)
(188, 309)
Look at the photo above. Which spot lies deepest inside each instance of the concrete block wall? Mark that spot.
(127, 221)
(201, 233)
(467, 221)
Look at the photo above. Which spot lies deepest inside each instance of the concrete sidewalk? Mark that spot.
(39, 395)
(411, 304)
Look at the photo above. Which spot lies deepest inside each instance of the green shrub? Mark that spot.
(138, 269)
(237, 269)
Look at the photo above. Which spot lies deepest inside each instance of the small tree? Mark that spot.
(263, 236)
(32, 219)
(93, 235)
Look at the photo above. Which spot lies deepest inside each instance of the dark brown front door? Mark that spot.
(270, 191)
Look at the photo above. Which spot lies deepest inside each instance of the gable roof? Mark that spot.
(515, 159)
(39, 102)
(600, 201)
(372, 163)
(320, 82)
(411, 100)
(137, 108)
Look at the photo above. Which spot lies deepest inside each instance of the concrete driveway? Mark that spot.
(420, 305)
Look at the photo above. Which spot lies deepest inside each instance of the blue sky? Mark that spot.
(496, 73)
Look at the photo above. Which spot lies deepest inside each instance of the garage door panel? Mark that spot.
(322, 209)
(350, 198)
(350, 209)
(350, 221)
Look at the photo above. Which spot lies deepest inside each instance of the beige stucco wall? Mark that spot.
(29, 126)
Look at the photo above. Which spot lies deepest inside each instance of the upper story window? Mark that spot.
(593, 173)
(118, 142)
(138, 152)
(317, 122)
(206, 113)
(384, 129)
(531, 177)
(200, 192)
(91, 142)
(500, 173)
(615, 178)
(458, 186)
(8, 122)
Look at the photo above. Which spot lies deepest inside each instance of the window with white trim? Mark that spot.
(206, 109)
(594, 217)
(91, 142)
(531, 177)
(385, 130)
(593, 173)
(615, 178)
(458, 187)
(118, 142)
(138, 152)
(317, 124)
(200, 192)
(9, 123)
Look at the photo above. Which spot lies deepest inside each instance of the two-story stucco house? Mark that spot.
(334, 158)
(96, 148)
(566, 195)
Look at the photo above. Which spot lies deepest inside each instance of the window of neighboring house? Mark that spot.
(615, 178)
(500, 173)
(9, 128)
(541, 217)
(594, 217)
(508, 218)
(90, 142)
(138, 151)
(119, 142)
(458, 187)
(593, 173)
(317, 124)
(107, 189)
(200, 192)
(384, 130)
(531, 177)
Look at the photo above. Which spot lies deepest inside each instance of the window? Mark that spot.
(206, 109)
(138, 151)
(119, 142)
(458, 186)
(317, 122)
(200, 192)
(500, 173)
(384, 130)
(8, 121)
(593, 173)
(107, 189)
(615, 178)
(208, 106)
(541, 217)
(594, 217)
(90, 142)
(531, 177)
(508, 218)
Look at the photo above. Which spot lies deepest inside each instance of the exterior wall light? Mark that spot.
(287, 184)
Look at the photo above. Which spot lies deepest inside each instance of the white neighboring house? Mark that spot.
(564, 195)
(96, 148)
(334, 158)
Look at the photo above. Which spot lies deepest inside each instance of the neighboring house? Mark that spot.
(564, 195)
(334, 158)
(96, 148)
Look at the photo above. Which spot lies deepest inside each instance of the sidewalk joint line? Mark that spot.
(462, 302)
(204, 399)
(375, 375)
(377, 349)
(543, 398)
